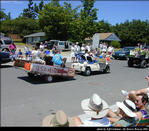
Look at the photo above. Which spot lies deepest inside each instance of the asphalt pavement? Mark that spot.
(26, 102)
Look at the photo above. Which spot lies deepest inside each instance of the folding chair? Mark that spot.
(82, 59)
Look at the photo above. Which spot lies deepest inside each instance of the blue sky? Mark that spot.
(111, 11)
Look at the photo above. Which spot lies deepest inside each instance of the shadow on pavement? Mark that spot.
(136, 67)
(93, 73)
(39, 80)
(6, 66)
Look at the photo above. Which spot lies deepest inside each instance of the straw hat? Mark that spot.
(95, 107)
(128, 107)
(60, 119)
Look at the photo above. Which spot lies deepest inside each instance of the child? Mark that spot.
(20, 55)
(26, 49)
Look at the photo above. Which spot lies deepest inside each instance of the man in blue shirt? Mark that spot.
(57, 58)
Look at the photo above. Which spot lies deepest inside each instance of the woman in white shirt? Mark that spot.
(41, 46)
(83, 49)
(73, 53)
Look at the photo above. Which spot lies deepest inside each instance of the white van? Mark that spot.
(62, 45)
(5, 42)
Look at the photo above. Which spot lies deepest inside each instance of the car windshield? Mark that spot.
(128, 48)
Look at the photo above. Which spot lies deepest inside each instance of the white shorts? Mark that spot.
(72, 54)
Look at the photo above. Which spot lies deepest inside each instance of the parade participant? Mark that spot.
(145, 52)
(57, 58)
(83, 49)
(86, 53)
(54, 48)
(26, 50)
(104, 49)
(88, 47)
(20, 54)
(97, 53)
(110, 50)
(36, 56)
(73, 53)
(95, 108)
(41, 47)
(100, 47)
(45, 44)
(77, 50)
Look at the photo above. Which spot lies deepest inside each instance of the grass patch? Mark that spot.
(19, 43)
(22, 44)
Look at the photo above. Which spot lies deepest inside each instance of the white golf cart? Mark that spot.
(86, 66)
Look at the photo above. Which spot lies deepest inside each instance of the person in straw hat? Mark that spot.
(125, 116)
(96, 109)
(60, 119)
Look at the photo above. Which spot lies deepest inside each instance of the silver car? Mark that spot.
(4, 43)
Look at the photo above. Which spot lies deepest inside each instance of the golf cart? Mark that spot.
(86, 65)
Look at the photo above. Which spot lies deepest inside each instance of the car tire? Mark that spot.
(143, 64)
(87, 72)
(107, 69)
(130, 64)
(115, 58)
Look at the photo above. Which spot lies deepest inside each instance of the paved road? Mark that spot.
(26, 103)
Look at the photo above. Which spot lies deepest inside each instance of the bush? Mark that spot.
(115, 44)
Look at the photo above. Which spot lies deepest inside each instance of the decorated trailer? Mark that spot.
(48, 72)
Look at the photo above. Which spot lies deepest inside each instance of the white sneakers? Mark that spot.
(124, 93)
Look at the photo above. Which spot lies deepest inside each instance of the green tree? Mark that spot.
(132, 32)
(3, 15)
(22, 26)
(56, 20)
(85, 26)
(104, 27)
(33, 9)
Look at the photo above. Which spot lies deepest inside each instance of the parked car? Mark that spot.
(4, 57)
(4, 43)
(122, 53)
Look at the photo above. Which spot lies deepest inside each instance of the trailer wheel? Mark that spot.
(31, 75)
(48, 78)
(143, 64)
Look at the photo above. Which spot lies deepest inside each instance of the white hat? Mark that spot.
(128, 107)
(95, 107)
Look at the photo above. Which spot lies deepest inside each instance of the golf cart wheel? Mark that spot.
(48, 78)
(143, 64)
(87, 72)
(107, 69)
(31, 75)
(130, 64)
